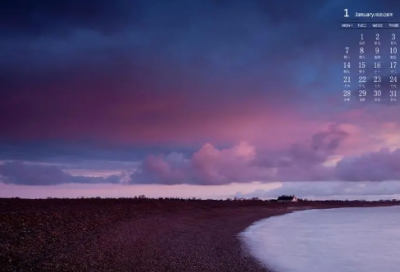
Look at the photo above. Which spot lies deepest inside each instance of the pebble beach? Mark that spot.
(134, 234)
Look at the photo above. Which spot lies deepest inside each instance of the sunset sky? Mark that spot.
(200, 98)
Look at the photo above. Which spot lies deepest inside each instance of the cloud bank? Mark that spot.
(26, 174)
(305, 161)
(315, 159)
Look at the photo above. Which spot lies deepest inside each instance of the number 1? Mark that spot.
(346, 13)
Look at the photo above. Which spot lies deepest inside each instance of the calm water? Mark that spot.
(345, 240)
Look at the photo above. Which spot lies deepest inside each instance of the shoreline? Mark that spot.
(272, 256)
(136, 234)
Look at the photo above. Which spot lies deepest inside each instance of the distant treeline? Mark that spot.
(236, 199)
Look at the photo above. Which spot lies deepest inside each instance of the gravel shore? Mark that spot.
(133, 234)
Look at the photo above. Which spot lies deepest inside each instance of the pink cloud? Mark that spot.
(215, 166)
(302, 161)
(208, 166)
(241, 163)
(171, 169)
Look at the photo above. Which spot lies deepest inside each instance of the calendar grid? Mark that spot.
(370, 60)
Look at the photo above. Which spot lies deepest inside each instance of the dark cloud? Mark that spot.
(80, 151)
(377, 166)
(233, 35)
(330, 139)
(126, 54)
(27, 174)
(288, 11)
(38, 18)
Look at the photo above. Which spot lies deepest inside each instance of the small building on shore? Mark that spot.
(287, 198)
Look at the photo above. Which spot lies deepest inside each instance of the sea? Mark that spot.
(332, 240)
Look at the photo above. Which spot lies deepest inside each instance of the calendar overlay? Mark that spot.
(370, 72)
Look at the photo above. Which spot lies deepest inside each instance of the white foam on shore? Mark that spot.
(346, 240)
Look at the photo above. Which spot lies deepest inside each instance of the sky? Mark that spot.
(199, 98)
